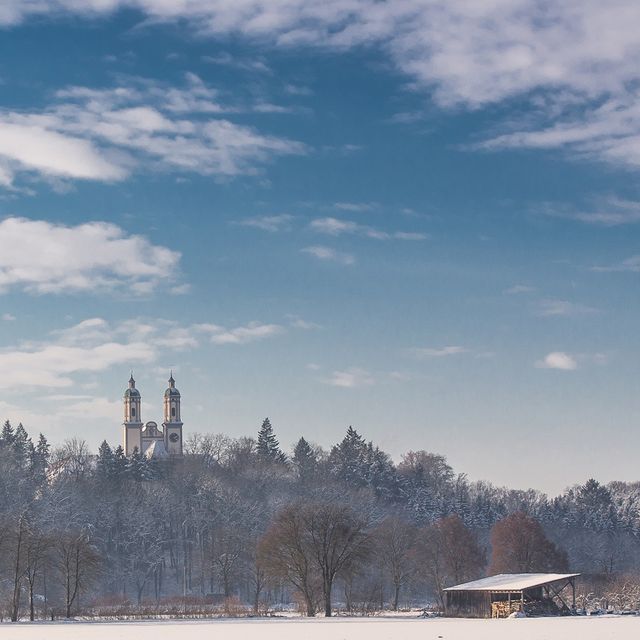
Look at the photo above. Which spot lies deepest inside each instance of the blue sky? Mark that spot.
(418, 219)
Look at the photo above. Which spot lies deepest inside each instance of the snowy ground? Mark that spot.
(593, 628)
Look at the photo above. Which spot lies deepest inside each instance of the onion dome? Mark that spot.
(171, 390)
(132, 392)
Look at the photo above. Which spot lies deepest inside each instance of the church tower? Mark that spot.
(172, 425)
(132, 427)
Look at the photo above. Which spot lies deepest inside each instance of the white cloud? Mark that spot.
(105, 134)
(631, 265)
(336, 227)
(8, 317)
(328, 254)
(300, 323)
(225, 59)
(356, 207)
(558, 360)
(438, 352)
(519, 288)
(95, 345)
(550, 308)
(43, 257)
(50, 365)
(269, 223)
(560, 56)
(611, 212)
(350, 378)
(248, 333)
(609, 131)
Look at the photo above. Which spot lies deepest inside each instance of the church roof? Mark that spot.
(133, 392)
(156, 450)
(171, 391)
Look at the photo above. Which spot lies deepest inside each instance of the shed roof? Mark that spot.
(512, 582)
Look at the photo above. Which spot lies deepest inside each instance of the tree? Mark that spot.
(395, 541)
(268, 447)
(77, 562)
(448, 554)
(313, 542)
(284, 553)
(105, 462)
(6, 436)
(519, 545)
(304, 461)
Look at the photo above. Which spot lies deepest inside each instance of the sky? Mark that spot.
(416, 217)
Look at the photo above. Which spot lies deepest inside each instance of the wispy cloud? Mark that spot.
(106, 134)
(610, 212)
(225, 59)
(558, 360)
(550, 308)
(248, 333)
(272, 224)
(328, 254)
(517, 289)
(631, 264)
(43, 257)
(355, 207)
(437, 352)
(350, 378)
(95, 345)
(336, 227)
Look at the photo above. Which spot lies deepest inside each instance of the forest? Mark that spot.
(240, 526)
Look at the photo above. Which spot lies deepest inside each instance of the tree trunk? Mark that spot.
(396, 595)
(32, 614)
(327, 596)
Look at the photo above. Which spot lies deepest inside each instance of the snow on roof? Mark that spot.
(512, 582)
(156, 450)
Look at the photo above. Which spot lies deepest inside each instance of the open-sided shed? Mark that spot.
(501, 595)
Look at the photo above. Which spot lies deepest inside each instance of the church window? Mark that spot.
(133, 412)
(173, 412)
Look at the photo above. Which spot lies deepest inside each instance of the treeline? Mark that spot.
(240, 521)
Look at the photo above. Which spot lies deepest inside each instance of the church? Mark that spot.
(147, 438)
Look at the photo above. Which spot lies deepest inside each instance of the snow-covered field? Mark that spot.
(604, 628)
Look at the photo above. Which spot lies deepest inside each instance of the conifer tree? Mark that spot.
(137, 466)
(119, 462)
(39, 459)
(304, 460)
(20, 445)
(7, 435)
(268, 446)
(105, 466)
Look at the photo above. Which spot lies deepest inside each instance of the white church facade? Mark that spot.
(148, 438)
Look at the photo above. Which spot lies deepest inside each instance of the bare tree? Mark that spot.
(395, 541)
(77, 563)
(518, 544)
(284, 553)
(448, 553)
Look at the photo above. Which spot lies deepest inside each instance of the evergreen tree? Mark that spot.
(105, 466)
(304, 460)
(20, 445)
(268, 447)
(347, 459)
(7, 435)
(39, 459)
(137, 466)
(119, 463)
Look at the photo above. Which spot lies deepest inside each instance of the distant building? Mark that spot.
(507, 593)
(148, 438)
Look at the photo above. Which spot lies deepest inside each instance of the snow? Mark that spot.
(512, 581)
(585, 628)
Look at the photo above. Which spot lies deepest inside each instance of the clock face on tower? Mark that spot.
(174, 437)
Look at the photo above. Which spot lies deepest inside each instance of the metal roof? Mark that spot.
(512, 582)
